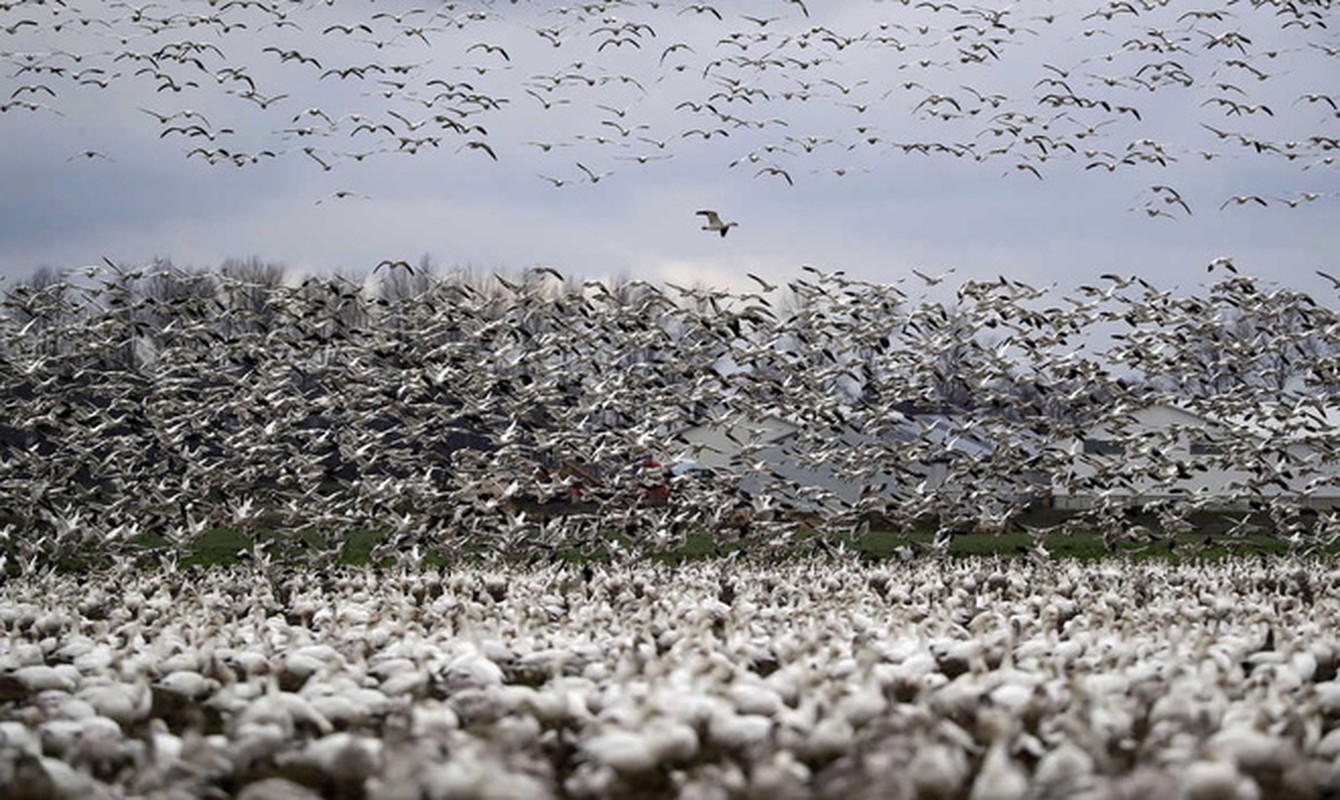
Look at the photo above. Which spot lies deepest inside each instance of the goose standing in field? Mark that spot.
(714, 222)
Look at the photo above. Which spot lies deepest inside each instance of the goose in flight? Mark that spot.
(714, 222)
(594, 176)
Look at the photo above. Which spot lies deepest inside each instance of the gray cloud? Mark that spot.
(892, 209)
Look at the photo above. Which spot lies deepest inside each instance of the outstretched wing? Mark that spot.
(712, 218)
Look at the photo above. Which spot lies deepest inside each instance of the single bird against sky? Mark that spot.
(714, 222)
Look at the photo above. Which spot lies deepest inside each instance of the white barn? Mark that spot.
(1162, 451)
(850, 469)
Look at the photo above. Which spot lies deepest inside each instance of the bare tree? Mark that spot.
(40, 307)
(247, 287)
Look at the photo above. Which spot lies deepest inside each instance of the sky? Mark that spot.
(872, 137)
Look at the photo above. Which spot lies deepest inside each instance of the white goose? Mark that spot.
(714, 222)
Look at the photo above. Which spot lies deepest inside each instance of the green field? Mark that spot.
(1209, 539)
(231, 546)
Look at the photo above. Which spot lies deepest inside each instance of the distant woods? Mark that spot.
(1237, 334)
(452, 406)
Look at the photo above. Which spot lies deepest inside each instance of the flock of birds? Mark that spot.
(143, 406)
(600, 88)
(973, 679)
(447, 410)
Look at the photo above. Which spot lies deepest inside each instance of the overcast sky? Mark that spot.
(842, 101)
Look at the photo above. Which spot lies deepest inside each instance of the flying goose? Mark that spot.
(714, 222)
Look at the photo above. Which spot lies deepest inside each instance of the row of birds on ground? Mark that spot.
(925, 681)
(442, 409)
(640, 82)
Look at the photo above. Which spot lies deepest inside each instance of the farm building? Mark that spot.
(912, 455)
(1165, 451)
